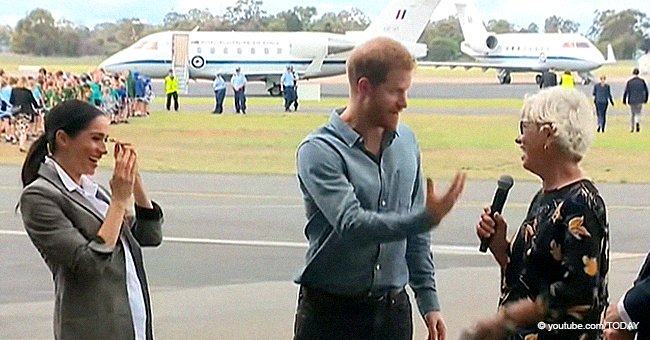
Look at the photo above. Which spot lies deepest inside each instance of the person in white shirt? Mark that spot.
(219, 87)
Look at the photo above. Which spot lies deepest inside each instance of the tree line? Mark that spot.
(38, 33)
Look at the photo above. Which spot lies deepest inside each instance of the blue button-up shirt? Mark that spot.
(287, 79)
(367, 227)
(238, 80)
(219, 83)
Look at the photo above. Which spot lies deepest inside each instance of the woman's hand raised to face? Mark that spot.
(124, 172)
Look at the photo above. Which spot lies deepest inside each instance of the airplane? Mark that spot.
(643, 63)
(263, 56)
(524, 52)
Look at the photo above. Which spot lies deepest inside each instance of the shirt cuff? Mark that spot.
(148, 214)
(620, 307)
(427, 301)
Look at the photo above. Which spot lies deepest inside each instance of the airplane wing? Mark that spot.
(482, 65)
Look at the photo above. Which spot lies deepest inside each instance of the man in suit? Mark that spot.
(634, 306)
(635, 95)
(548, 79)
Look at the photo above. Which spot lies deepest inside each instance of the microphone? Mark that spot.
(504, 184)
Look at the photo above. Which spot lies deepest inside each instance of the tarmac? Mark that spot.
(233, 245)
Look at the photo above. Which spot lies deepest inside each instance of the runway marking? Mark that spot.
(461, 204)
(235, 206)
(221, 194)
(437, 249)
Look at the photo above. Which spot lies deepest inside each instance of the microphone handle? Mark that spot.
(496, 207)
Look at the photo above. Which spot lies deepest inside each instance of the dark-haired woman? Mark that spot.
(83, 232)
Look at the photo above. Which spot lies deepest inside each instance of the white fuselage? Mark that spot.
(256, 53)
(259, 54)
(538, 52)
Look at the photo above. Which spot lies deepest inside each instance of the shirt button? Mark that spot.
(377, 267)
(383, 203)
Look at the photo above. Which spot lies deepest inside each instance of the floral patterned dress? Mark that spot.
(561, 255)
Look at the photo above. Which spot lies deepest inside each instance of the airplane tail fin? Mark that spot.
(403, 20)
(471, 23)
(611, 58)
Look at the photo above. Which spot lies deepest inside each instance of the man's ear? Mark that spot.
(363, 86)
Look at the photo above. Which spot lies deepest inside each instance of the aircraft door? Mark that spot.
(180, 43)
(179, 49)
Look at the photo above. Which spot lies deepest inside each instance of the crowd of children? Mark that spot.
(24, 100)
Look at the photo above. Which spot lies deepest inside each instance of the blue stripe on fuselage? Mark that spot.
(238, 62)
(528, 57)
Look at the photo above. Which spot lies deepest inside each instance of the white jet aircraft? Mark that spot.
(263, 56)
(524, 52)
(643, 63)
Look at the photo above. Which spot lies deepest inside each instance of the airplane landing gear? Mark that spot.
(275, 91)
(538, 79)
(586, 77)
(504, 77)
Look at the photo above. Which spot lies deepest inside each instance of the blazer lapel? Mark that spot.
(49, 174)
(645, 269)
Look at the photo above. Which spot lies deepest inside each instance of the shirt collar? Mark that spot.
(348, 134)
(87, 187)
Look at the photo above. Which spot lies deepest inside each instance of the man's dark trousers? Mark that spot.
(324, 316)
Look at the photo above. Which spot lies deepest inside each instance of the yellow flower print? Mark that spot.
(530, 230)
(591, 265)
(556, 251)
(557, 215)
(531, 337)
(577, 229)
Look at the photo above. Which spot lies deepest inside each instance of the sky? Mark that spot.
(519, 12)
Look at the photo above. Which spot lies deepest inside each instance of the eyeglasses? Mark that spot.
(523, 125)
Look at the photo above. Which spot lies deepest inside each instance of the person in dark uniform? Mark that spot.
(549, 79)
(635, 95)
(602, 98)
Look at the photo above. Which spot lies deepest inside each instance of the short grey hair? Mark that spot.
(569, 112)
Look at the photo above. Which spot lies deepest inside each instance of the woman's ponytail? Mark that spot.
(35, 156)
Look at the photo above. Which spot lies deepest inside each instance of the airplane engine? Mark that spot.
(489, 44)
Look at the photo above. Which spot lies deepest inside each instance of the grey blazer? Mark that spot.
(91, 300)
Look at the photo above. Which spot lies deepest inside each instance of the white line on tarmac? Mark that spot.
(235, 206)
(437, 249)
(465, 204)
